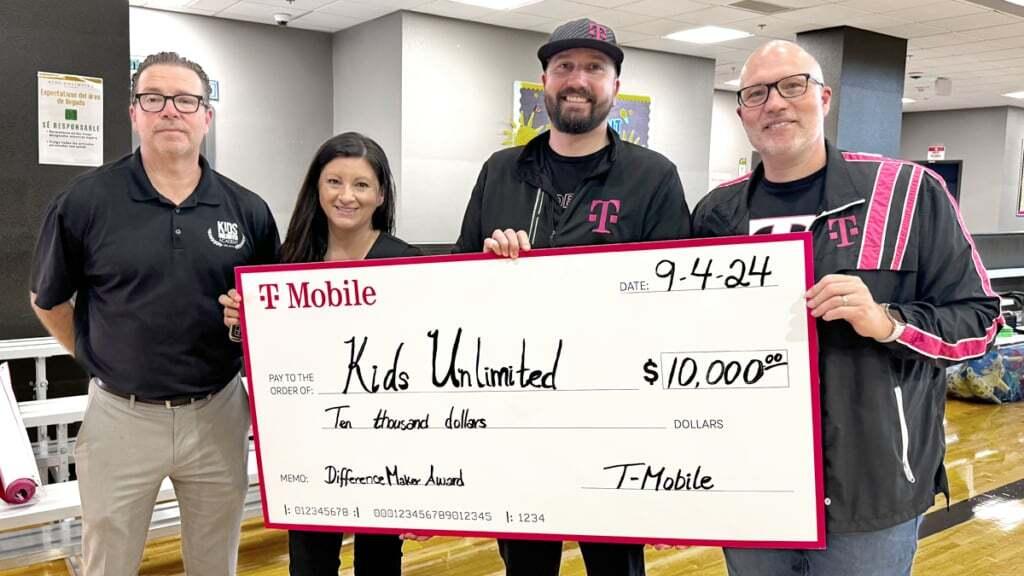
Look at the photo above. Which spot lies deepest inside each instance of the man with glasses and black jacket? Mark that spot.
(900, 293)
(576, 184)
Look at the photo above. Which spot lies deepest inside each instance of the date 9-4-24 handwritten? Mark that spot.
(705, 275)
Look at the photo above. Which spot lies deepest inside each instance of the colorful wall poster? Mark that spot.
(630, 116)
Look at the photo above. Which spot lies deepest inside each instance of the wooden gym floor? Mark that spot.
(981, 535)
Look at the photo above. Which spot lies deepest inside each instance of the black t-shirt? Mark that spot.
(566, 173)
(146, 274)
(778, 208)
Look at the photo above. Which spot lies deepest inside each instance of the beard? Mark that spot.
(794, 144)
(576, 123)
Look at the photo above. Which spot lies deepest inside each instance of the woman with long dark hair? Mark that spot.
(345, 211)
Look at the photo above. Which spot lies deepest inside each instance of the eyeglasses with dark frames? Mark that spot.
(789, 87)
(155, 102)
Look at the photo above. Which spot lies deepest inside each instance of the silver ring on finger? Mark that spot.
(846, 301)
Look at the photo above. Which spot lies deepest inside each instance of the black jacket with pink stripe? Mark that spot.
(893, 224)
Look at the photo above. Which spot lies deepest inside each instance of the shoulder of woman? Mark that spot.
(392, 246)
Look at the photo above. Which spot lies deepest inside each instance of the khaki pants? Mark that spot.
(124, 451)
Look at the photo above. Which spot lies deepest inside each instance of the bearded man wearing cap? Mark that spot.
(576, 184)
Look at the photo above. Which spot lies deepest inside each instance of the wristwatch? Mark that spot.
(898, 325)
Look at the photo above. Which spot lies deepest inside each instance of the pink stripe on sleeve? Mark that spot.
(878, 215)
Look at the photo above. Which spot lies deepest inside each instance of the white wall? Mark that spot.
(367, 64)
(978, 138)
(728, 141)
(275, 94)
(457, 82)
(1014, 156)
(456, 99)
(681, 89)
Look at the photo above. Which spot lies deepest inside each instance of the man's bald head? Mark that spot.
(778, 53)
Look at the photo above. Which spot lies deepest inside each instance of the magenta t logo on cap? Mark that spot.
(582, 33)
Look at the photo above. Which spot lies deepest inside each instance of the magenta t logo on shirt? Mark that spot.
(843, 229)
(599, 212)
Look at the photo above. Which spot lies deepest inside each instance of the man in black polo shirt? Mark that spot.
(127, 270)
(576, 184)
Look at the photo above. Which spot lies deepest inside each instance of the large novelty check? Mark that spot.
(658, 392)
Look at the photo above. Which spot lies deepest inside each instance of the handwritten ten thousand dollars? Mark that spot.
(658, 392)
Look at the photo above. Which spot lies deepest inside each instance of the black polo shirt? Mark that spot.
(147, 275)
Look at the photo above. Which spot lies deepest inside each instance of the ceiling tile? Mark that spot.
(199, 11)
(312, 28)
(617, 18)
(215, 5)
(1005, 54)
(884, 5)
(988, 45)
(831, 15)
(912, 30)
(294, 7)
(767, 26)
(254, 10)
(973, 21)
(625, 36)
(875, 23)
(957, 59)
(1008, 42)
(729, 54)
(936, 40)
(324, 20)
(718, 16)
(562, 10)
(396, 4)
(934, 11)
(606, 3)
(942, 51)
(676, 47)
(515, 20)
(265, 20)
(454, 10)
(172, 5)
(996, 32)
(659, 27)
(746, 45)
(357, 10)
(798, 3)
(662, 8)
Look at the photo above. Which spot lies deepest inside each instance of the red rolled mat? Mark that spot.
(19, 476)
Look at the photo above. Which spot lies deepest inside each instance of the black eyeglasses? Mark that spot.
(789, 87)
(184, 103)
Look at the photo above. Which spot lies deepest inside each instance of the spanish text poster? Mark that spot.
(70, 119)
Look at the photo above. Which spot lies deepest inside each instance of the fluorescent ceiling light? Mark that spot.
(708, 35)
(734, 82)
(1019, 95)
(498, 4)
(1017, 2)
(909, 100)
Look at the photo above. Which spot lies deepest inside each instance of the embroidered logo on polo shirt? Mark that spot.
(228, 235)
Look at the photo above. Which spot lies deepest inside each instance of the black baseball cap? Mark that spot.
(582, 33)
